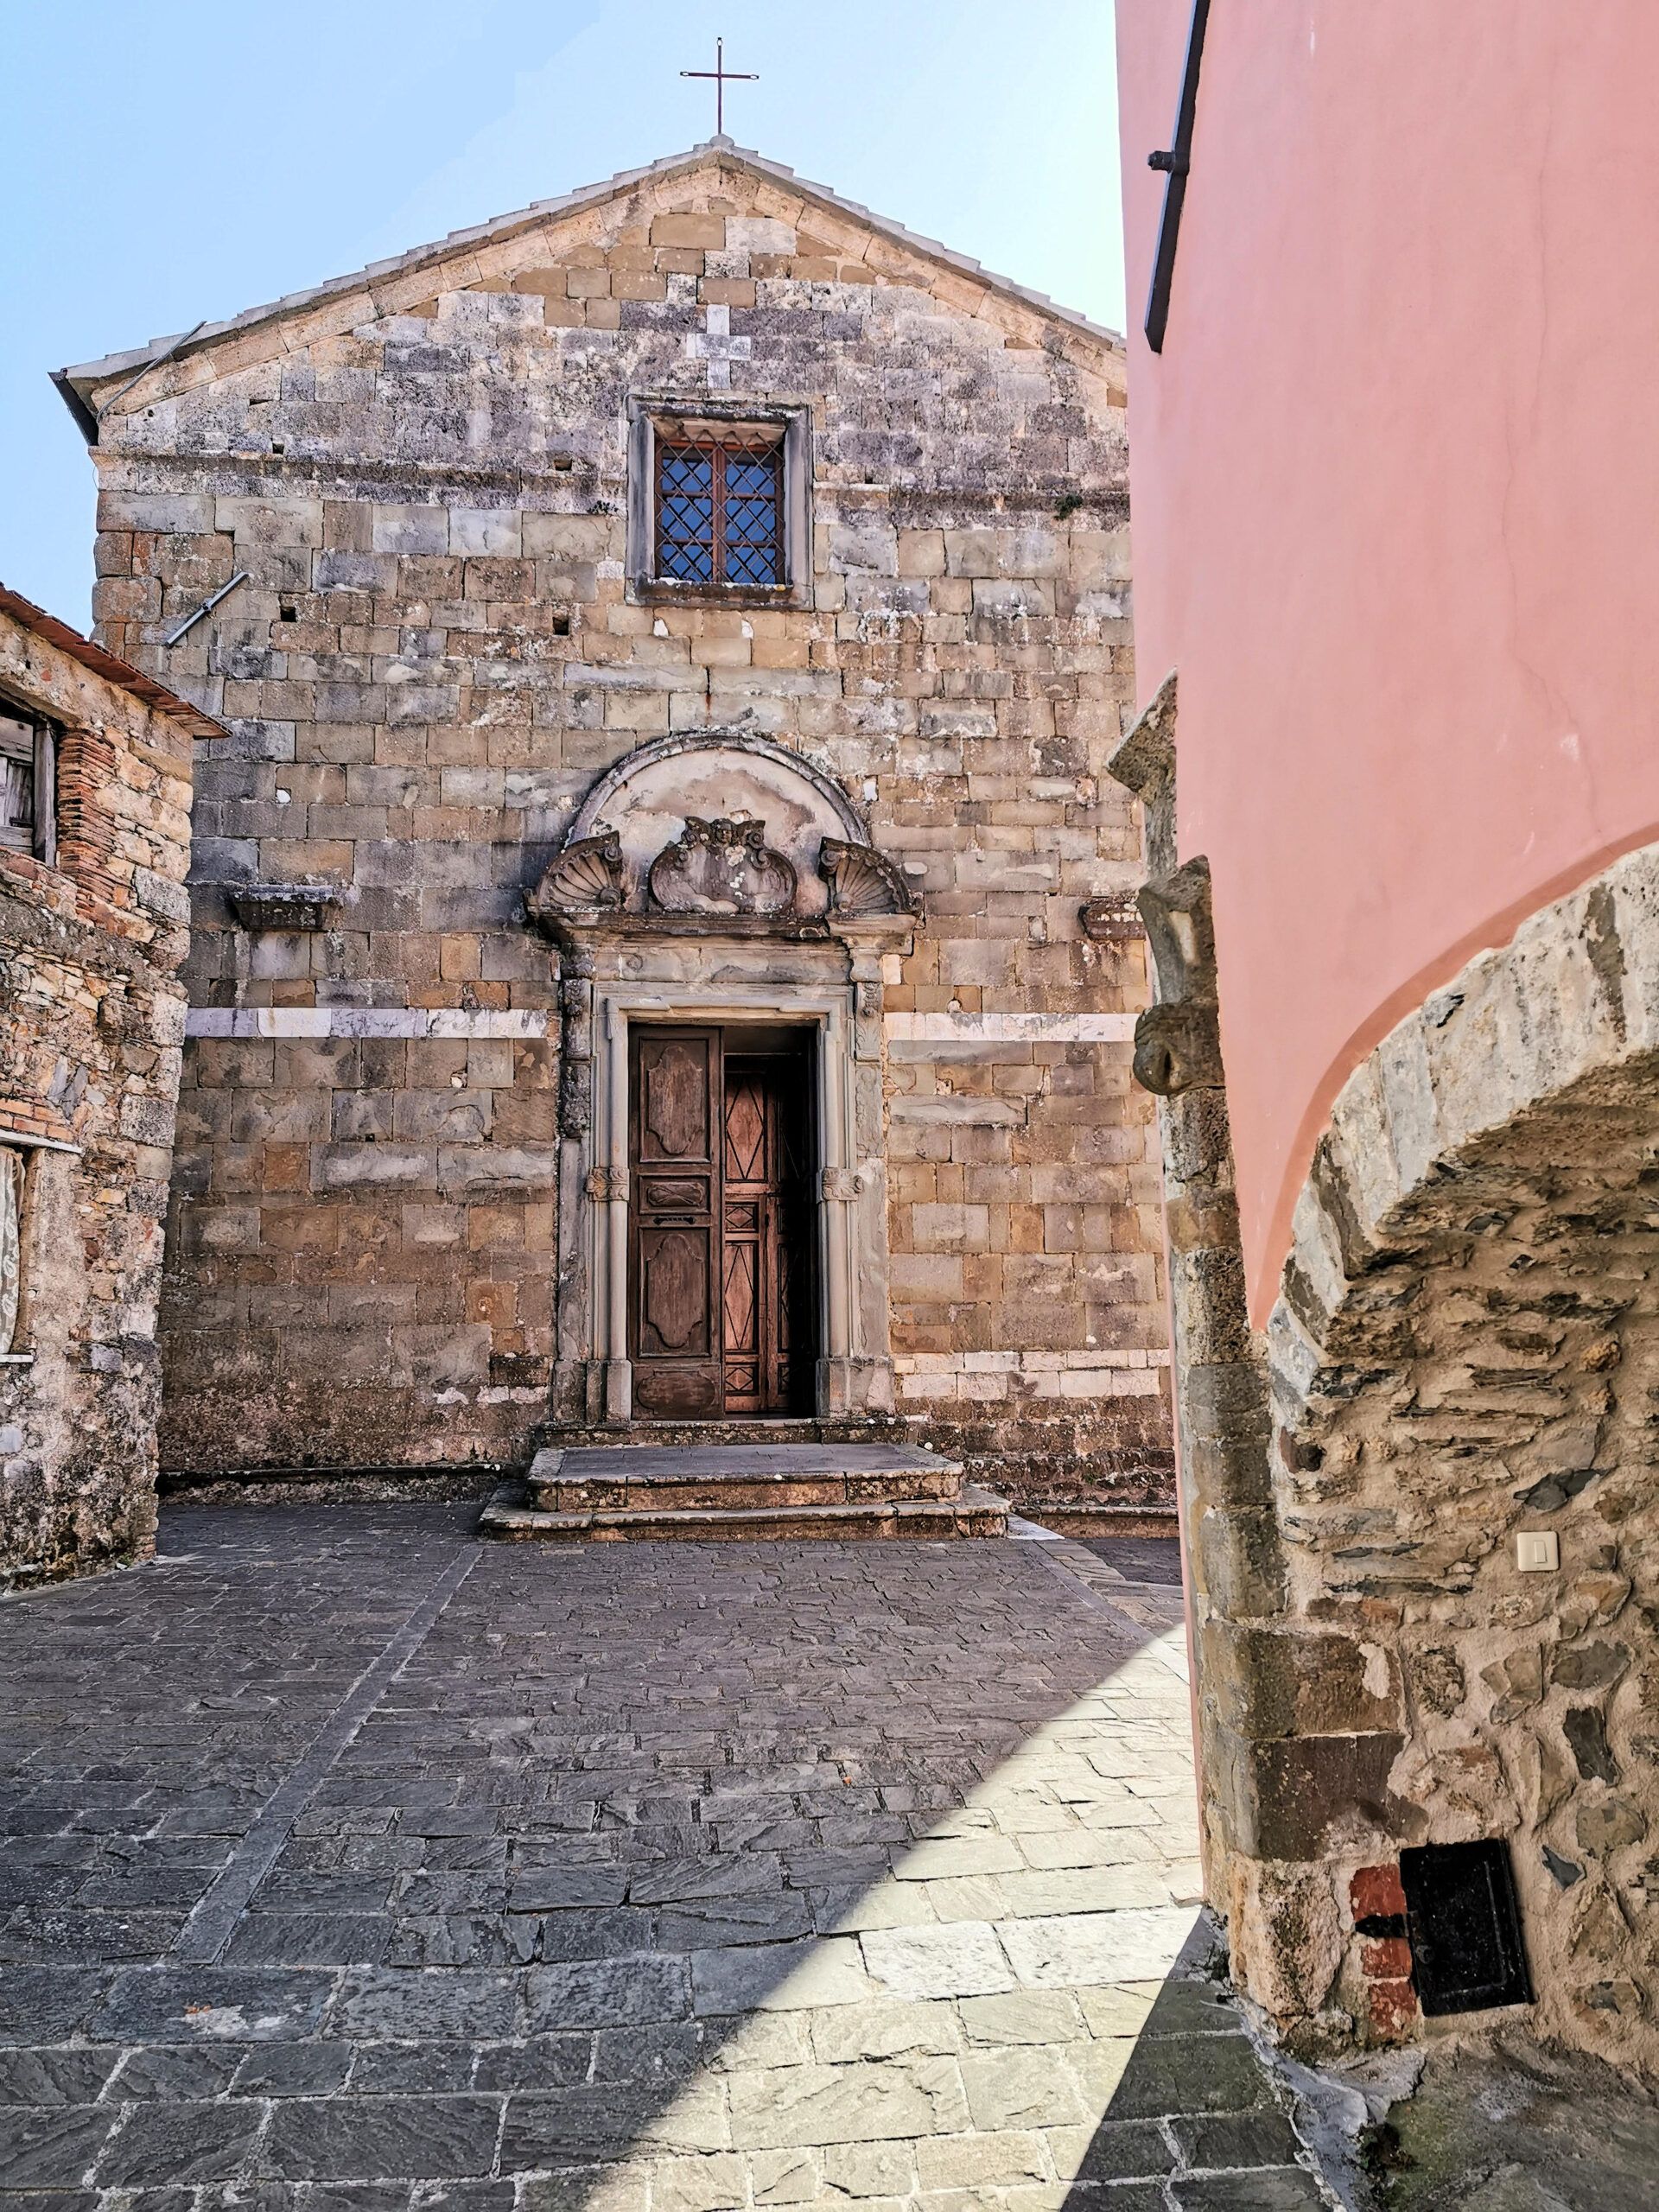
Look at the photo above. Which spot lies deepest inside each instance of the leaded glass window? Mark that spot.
(720, 510)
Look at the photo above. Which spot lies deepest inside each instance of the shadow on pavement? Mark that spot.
(1195, 2121)
(800, 1870)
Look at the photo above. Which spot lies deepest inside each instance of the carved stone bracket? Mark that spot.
(1177, 1048)
(722, 868)
(1178, 1042)
(842, 1183)
(1144, 764)
(607, 1183)
(585, 875)
(862, 881)
(286, 905)
(1176, 909)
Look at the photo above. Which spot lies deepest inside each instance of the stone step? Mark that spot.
(738, 1476)
(511, 1515)
(769, 1429)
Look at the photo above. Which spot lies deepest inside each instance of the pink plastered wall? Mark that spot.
(1396, 483)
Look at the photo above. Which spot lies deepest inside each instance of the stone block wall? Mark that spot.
(423, 474)
(91, 1030)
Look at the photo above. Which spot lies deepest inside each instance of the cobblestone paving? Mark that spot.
(345, 1862)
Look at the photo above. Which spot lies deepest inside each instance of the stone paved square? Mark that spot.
(347, 1860)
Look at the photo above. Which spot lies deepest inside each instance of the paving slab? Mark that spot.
(1498, 2123)
(341, 1855)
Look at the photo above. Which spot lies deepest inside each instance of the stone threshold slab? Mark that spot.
(748, 1463)
(510, 1514)
(728, 1492)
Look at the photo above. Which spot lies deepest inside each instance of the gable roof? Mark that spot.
(156, 695)
(76, 385)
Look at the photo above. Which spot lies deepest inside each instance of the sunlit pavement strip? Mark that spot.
(670, 1877)
(965, 2025)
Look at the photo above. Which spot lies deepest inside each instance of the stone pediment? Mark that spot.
(787, 216)
(720, 831)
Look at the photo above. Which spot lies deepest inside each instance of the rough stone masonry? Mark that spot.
(1461, 1354)
(427, 479)
(93, 851)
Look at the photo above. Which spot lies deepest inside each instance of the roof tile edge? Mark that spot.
(74, 382)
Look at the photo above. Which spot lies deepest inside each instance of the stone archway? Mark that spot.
(1466, 1348)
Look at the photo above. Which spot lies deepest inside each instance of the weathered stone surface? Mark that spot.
(1294, 1794)
(1271, 1682)
(91, 1022)
(1539, 2127)
(446, 638)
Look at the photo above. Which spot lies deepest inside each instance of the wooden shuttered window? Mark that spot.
(27, 796)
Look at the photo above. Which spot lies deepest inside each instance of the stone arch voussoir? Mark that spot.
(1465, 1346)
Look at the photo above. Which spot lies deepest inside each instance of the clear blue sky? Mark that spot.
(168, 160)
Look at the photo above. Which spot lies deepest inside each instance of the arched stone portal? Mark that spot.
(717, 878)
(1464, 1349)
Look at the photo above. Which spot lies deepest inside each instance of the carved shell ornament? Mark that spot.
(587, 874)
(863, 881)
(722, 868)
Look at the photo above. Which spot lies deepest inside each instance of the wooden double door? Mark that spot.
(722, 1221)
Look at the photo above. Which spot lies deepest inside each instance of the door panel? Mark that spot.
(768, 1223)
(674, 1273)
(721, 1225)
(676, 1090)
(674, 1177)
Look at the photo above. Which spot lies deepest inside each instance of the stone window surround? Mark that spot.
(646, 416)
(853, 1375)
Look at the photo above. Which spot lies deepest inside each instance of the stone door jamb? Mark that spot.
(855, 1366)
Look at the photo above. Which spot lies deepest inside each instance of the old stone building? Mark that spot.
(660, 947)
(95, 763)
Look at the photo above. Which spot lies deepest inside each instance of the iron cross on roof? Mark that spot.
(722, 76)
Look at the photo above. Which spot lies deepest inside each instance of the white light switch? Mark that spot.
(1538, 1551)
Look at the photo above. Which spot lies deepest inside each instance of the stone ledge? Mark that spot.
(974, 1513)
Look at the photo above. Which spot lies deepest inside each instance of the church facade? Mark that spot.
(662, 940)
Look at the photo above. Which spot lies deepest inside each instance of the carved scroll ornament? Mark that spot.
(863, 881)
(722, 868)
(841, 1183)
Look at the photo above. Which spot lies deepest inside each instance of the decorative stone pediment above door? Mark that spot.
(718, 830)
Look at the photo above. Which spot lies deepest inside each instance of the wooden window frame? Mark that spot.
(40, 839)
(653, 422)
(19, 1349)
